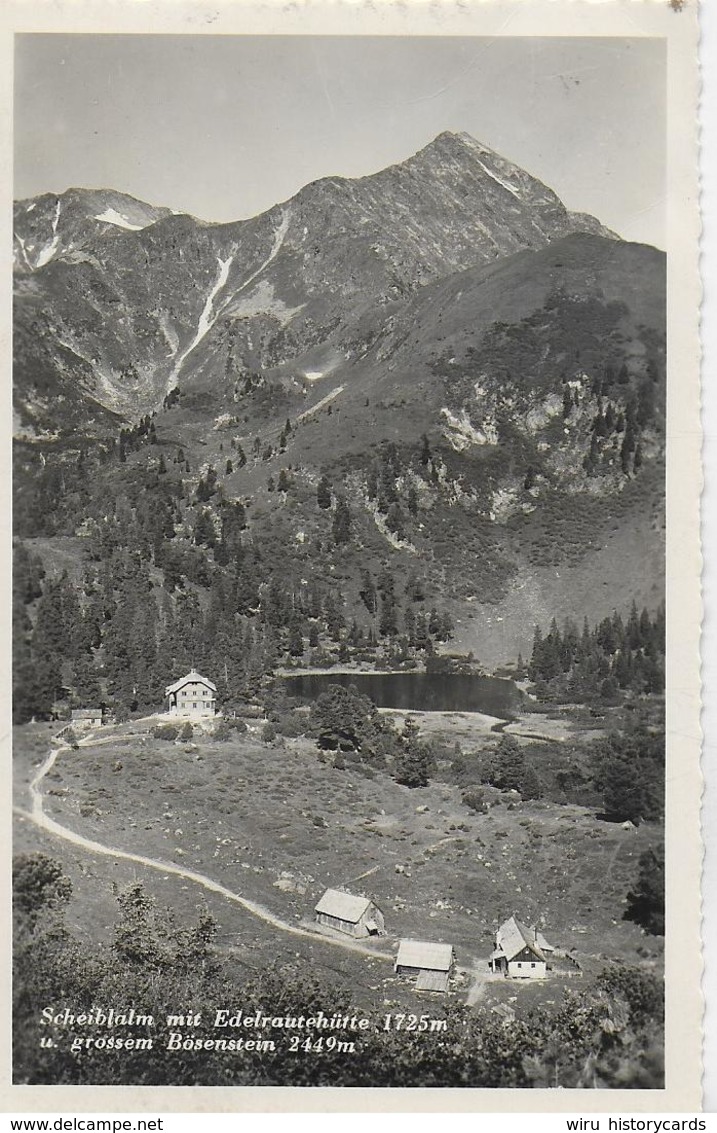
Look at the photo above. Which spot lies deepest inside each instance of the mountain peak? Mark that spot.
(457, 136)
(457, 142)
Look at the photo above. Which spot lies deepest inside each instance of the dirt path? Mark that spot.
(320, 404)
(477, 989)
(39, 818)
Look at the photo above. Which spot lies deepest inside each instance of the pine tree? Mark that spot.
(335, 622)
(323, 493)
(412, 502)
(85, 682)
(421, 635)
(413, 762)
(341, 528)
(646, 900)
(204, 533)
(388, 625)
(372, 484)
(395, 520)
(409, 620)
(367, 592)
(567, 401)
(295, 644)
(36, 683)
(415, 588)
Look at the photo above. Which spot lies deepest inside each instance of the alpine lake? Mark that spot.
(417, 692)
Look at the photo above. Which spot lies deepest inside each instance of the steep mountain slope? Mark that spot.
(478, 375)
(140, 296)
(61, 227)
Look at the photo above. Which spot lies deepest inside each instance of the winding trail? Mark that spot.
(320, 404)
(37, 815)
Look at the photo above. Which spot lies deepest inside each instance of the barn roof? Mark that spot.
(432, 981)
(343, 906)
(192, 675)
(85, 713)
(513, 936)
(423, 954)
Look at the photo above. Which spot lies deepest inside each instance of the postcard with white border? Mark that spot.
(355, 540)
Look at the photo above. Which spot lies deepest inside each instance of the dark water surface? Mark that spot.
(422, 692)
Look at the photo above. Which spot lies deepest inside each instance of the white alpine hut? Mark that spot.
(192, 696)
(520, 952)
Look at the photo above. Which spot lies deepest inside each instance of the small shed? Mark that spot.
(87, 717)
(430, 962)
(345, 912)
(520, 952)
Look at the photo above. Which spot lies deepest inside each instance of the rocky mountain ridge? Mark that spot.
(132, 294)
(478, 374)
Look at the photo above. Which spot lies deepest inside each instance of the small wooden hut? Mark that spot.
(430, 962)
(344, 912)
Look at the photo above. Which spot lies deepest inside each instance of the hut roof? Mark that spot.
(424, 954)
(194, 676)
(432, 981)
(343, 906)
(85, 713)
(513, 936)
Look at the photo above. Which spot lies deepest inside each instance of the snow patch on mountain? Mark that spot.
(210, 313)
(23, 250)
(111, 216)
(207, 318)
(494, 177)
(263, 301)
(169, 333)
(279, 237)
(49, 250)
(323, 368)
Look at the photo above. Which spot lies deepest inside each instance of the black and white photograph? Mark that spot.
(341, 414)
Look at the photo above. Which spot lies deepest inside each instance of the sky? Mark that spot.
(224, 127)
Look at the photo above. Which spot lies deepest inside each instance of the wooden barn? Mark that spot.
(87, 717)
(520, 952)
(431, 963)
(344, 912)
(193, 695)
